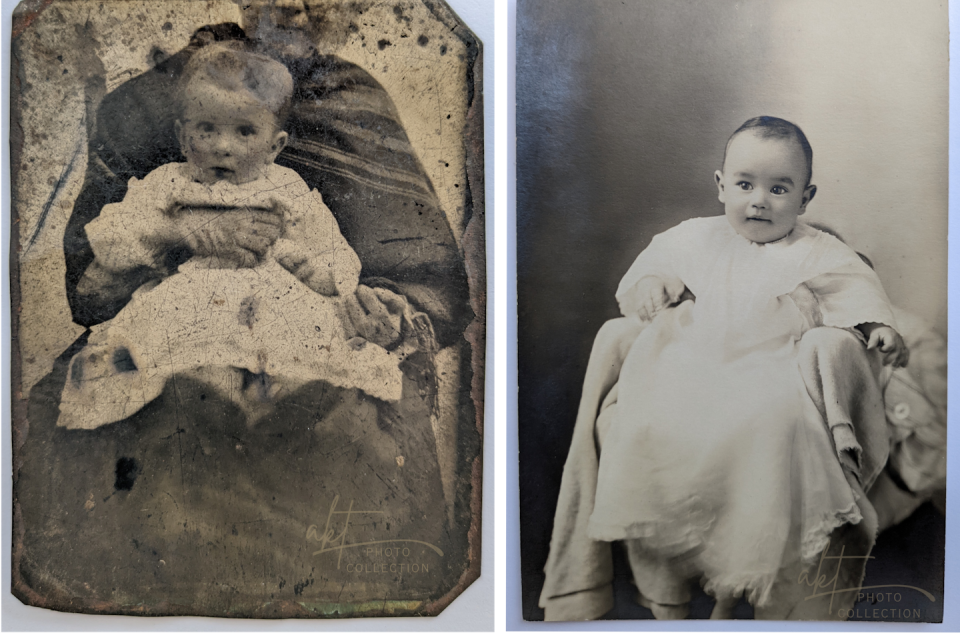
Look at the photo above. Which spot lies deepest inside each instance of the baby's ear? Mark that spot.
(808, 195)
(718, 178)
(279, 142)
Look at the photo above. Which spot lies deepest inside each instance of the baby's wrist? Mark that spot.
(165, 232)
(649, 279)
(158, 237)
(644, 284)
(868, 328)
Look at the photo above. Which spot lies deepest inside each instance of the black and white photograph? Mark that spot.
(248, 293)
(732, 309)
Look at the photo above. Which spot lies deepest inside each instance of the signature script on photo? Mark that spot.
(331, 541)
(820, 581)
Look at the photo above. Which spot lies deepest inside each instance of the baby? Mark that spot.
(233, 104)
(261, 292)
(716, 464)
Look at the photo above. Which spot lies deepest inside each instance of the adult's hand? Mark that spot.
(239, 238)
(376, 314)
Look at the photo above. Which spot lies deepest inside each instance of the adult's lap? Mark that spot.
(184, 503)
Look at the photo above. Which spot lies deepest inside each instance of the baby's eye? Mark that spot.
(247, 130)
(205, 126)
(746, 186)
(778, 190)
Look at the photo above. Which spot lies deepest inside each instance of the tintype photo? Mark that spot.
(732, 309)
(248, 301)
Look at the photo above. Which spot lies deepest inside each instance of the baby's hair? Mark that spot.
(772, 127)
(233, 67)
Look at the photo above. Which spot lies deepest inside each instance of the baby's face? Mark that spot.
(226, 135)
(763, 186)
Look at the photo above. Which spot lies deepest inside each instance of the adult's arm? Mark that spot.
(347, 141)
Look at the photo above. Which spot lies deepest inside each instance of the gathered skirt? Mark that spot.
(221, 327)
(718, 461)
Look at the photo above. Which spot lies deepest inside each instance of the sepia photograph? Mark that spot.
(732, 309)
(248, 300)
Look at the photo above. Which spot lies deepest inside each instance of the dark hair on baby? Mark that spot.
(232, 66)
(772, 127)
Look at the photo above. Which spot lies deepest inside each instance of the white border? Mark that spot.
(471, 611)
(506, 171)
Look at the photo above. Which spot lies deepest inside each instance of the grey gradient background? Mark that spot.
(623, 110)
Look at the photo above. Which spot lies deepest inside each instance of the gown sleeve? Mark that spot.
(122, 236)
(848, 292)
(312, 247)
(666, 257)
(128, 243)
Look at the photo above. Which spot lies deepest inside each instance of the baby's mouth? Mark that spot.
(222, 173)
(758, 220)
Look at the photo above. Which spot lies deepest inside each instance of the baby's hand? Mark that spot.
(239, 238)
(646, 298)
(176, 221)
(299, 262)
(888, 341)
(280, 204)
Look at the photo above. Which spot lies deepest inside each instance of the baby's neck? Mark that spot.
(779, 240)
(222, 194)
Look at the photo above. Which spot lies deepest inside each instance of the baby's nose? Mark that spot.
(223, 145)
(758, 201)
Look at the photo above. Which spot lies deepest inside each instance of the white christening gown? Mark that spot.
(716, 450)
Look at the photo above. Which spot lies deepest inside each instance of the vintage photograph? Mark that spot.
(248, 295)
(732, 309)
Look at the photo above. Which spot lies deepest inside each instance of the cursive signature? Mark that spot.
(820, 581)
(330, 541)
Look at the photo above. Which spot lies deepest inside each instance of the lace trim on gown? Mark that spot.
(684, 532)
(757, 588)
(817, 537)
